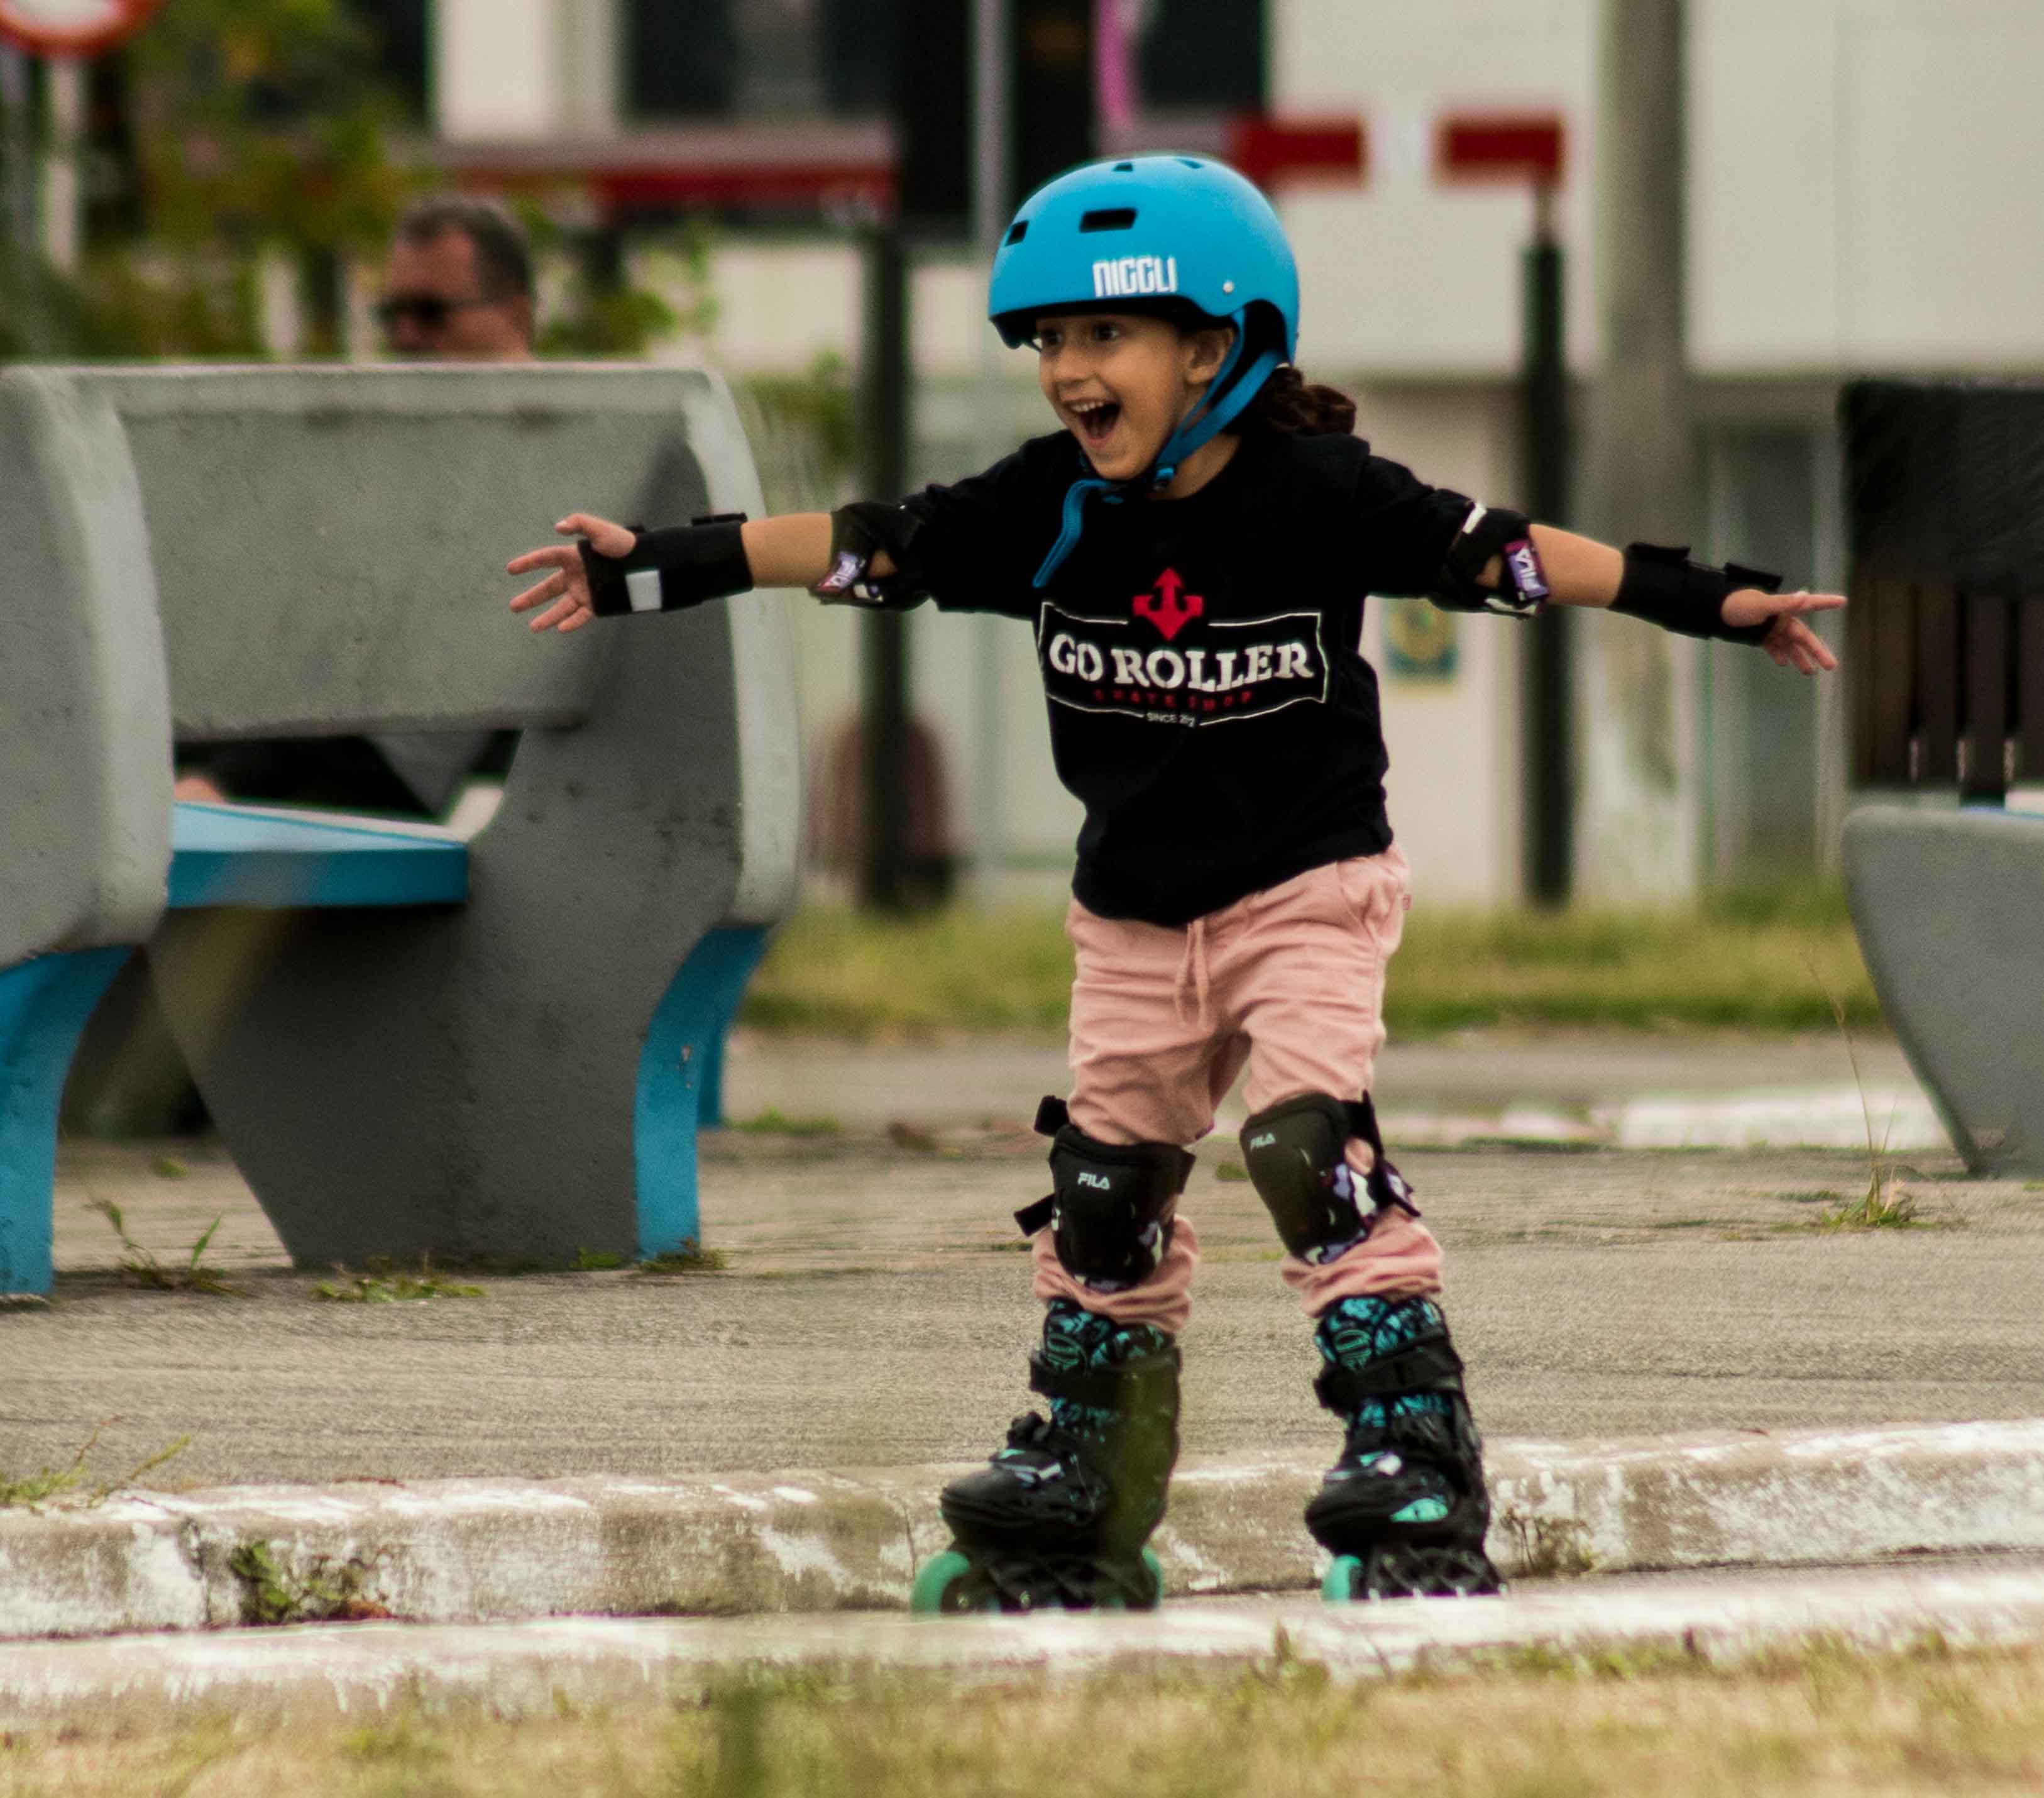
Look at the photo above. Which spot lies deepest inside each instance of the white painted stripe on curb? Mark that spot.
(466, 1550)
(327, 1672)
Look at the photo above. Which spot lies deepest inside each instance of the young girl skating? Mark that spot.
(1193, 548)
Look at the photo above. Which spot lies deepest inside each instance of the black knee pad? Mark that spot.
(1111, 1204)
(1295, 1154)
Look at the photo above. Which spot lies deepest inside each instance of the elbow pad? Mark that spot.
(669, 570)
(859, 532)
(1665, 587)
(1490, 531)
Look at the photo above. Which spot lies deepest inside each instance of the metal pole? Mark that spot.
(18, 141)
(1548, 849)
(989, 209)
(883, 862)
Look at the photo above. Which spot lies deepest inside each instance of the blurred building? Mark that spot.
(1858, 195)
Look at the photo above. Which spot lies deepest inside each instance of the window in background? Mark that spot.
(1201, 55)
(758, 60)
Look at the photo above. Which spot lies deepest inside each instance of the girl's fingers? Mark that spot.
(552, 556)
(552, 587)
(562, 615)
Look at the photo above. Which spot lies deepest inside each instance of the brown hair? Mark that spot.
(1288, 402)
(503, 260)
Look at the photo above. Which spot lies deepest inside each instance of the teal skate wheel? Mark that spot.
(1344, 1581)
(926, 1597)
(1156, 1574)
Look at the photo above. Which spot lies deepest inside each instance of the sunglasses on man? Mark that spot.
(430, 312)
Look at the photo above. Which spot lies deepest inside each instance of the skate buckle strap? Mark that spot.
(1131, 1385)
(1052, 1115)
(1426, 1367)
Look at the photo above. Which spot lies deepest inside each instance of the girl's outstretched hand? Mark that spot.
(1790, 641)
(566, 585)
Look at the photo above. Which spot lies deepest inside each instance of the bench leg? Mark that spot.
(43, 1006)
(680, 1080)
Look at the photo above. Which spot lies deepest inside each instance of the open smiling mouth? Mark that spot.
(1096, 419)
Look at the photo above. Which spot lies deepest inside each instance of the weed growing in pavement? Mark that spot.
(691, 1257)
(596, 1261)
(384, 1284)
(773, 1122)
(169, 1167)
(65, 1485)
(1549, 1548)
(140, 1267)
(1230, 1173)
(328, 1591)
(1886, 1204)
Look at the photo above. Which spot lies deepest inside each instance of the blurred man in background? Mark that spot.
(458, 283)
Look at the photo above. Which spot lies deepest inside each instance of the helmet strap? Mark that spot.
(1206, 422)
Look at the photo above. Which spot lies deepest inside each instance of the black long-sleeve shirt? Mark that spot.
(1209, 704)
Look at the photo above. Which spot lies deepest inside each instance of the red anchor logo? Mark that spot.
(1168, 605)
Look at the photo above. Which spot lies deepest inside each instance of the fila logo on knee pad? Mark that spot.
(1097, 1180)
(1118, 277)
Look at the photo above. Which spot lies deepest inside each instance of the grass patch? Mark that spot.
(1531, 1723)
(772, 1121)
(1231, 1173)
(691, 1257)
(1738, 961)
(596, 1261)
(1884, 1205)
(140, 1267)
(67, 1484)
(386, 1285)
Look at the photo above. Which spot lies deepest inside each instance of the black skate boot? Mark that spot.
(1405, 1510)
(1057, 1519)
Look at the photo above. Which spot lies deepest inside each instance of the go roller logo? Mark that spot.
(1169, 663)
(72, 28)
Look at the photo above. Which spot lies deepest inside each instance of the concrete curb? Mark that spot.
(475, 1550)
(325, 1673)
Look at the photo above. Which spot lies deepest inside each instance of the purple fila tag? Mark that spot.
(1529, 580)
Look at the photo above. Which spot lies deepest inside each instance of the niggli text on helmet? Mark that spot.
(1120, 277)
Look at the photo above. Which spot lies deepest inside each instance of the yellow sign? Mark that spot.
(1419, 641)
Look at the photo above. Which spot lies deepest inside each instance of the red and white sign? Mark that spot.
(1501, 147)
(72, 28)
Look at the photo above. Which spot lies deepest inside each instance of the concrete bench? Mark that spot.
(496, 1050)
(1946, 654)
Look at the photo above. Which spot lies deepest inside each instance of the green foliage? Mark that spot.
(386, 1284)
(819, 404)
(259, 127)
(60, 1483)
(139, 1267)
(772, 1121)
(596, 1261)
(327, 1591)
(691, 1257)
(1752, 962)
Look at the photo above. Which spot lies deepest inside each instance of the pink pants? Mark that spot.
(1291, 980)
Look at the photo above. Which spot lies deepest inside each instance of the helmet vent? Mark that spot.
(1017, 232)
(1189, 163)
(1109, 218)
(1124, 168)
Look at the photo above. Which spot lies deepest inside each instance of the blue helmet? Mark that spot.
(1147, 228)
(1142, 233)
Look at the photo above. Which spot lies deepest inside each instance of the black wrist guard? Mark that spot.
(1490, 531)
(859, 533)
(1665, 587)
(667, 570)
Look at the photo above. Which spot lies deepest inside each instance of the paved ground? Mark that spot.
(875, 1310)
